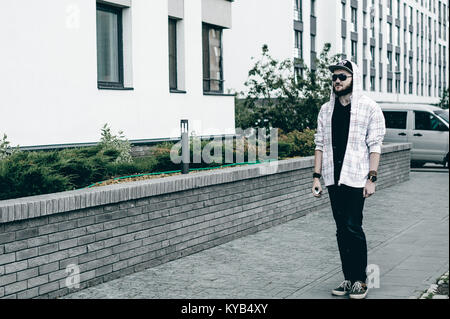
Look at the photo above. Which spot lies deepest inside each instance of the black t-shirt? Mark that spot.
(340, 128)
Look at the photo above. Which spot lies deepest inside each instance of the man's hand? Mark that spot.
(316, 184)
(369, 189)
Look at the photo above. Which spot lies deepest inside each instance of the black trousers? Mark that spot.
(347, 204)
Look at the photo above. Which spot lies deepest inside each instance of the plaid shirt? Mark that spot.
(366, 133)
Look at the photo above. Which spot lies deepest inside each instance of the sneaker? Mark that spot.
(343, 289)
(359, 290)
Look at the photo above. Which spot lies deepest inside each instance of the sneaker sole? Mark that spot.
(359, 296)
(339, 293)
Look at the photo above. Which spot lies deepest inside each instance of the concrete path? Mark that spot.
(407, 229)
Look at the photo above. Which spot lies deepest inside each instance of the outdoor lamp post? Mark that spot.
(185, 152)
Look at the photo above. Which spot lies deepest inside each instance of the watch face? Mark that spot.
(373, 179)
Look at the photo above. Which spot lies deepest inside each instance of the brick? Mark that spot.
(68, 243)
(63, 264)
(38, 261)
(16, 245)
(77, 251)
(15, 267)
(45, 269)
(7, 237)
(15, 287)
(103, 270)
(26, 254)
(48, 229)
(95, 246)
(8, 279)
(87, 257)
(47, 249)
(48, 288)
(103, 235)
(57, 275)
(86, 239)
(27, 233)
(27, 274)
(69, 225)
(7, 258)
(94, 228)
(57, 256)
(37, 281)
(86, 221)
(37, 241)
(28, 294)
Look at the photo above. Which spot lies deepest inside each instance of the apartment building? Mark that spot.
(401, 46)
(70, 66)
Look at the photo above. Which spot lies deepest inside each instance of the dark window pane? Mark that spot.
(395, 120)
(173, 53)
(423, 121)
(108, 65)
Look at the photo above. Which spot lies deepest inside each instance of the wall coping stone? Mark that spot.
(44, 205)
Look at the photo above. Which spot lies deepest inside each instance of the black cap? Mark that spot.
(342, 65)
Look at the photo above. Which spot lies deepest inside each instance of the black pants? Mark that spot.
(347, 204)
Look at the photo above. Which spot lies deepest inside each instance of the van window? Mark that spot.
(428, 122)
(396, 120)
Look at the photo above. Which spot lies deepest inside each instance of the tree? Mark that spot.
(277, 98)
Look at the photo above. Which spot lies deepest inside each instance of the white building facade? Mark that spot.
(70, 66)
(401, 45)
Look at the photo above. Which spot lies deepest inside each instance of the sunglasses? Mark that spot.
(340, 76)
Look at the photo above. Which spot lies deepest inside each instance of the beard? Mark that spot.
(345, 91)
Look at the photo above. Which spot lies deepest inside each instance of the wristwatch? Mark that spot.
(317, 175)
(372, 176)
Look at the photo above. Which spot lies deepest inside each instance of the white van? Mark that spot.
(425, 126)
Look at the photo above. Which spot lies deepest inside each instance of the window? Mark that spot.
(372, 83)
(390, 32)
(398, 9)
(390, 6)
(372, 56)
(173, 80)
(109, 46)
(397, 62)
(395, 120)
(212, 59)
(298, 10)
(355, 20)
(397, 86)
(389, 85)
(398, 36)
(364, 82)
(428, 122)
(343, 45)
(354, 51)
(389, 56)
(313, 7)
(343, 10)
(298, 44)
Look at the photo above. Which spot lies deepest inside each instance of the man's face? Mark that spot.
(340, 85)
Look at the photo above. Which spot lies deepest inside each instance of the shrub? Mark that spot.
(116, 143)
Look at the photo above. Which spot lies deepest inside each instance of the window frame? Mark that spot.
(119, 12)
(175, 22)
(221, 80)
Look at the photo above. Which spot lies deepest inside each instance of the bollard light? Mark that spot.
(185, 151)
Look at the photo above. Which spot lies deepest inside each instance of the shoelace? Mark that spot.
(357, 287)
(346, 284)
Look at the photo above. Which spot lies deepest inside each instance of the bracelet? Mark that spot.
(317, 175)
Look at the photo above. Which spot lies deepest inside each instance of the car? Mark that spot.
(425, 126)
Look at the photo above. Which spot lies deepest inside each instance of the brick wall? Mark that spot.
(120, 229)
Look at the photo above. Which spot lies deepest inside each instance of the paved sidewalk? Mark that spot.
(407, 229)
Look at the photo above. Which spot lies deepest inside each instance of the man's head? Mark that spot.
(342, 78)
